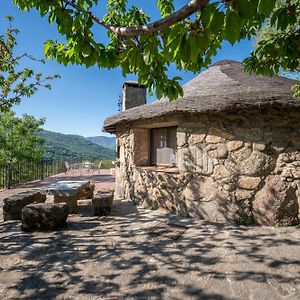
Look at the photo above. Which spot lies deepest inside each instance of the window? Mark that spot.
(164, 146)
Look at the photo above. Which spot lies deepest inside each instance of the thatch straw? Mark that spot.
(224, 87)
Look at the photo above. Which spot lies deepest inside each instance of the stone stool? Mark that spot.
(70, 200)
(13, 205)
(107, 191)
(102, 203)
(44, 216)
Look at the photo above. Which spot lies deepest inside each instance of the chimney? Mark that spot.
(134, 94)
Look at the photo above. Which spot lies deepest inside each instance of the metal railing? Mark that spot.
(13, 174)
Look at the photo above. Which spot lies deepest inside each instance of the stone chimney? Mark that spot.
(133, 94)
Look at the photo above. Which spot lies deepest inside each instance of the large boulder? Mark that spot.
(12, 208)
(102, 203)
(205, 201)
(44, 216)
(276, 203)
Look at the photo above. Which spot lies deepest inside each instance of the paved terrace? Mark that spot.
(132, 255)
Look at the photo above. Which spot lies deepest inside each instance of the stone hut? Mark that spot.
(227, 151)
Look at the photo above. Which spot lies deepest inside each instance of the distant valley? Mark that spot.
(104, 141)
(67, 146)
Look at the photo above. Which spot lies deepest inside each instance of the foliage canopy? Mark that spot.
(16, 82)
(18, 138)
(188, 37)
(278, 43)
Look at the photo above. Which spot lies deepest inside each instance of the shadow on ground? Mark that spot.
(115, 257)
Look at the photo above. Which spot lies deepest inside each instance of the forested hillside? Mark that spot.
(104, 141)
(67, 146)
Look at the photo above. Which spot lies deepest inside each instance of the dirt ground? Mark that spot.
(127, 256)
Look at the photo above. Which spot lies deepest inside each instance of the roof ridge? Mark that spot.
(225, 62)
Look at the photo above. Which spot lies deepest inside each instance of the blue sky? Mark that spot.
(80, 101)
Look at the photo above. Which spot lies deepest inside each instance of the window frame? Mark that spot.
(152, 149)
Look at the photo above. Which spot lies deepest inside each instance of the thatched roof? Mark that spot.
(225, 86)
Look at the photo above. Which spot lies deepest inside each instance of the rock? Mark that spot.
(234, 145)
(221, 172)
(204, 201)
(181, 138)
(231, 166)
(197, 138)
(242, 194)
(70, 200)
(214, 139)
(102, 203)
(279, 149)
(44, 216)
(12, 208)
(257, 164)
(259, 146)
(107, 191)
(203, 162)
(241, 154)
(185, 159)
(229, 187)
(276, 203)
(287, 172)
(87, 192)
(198, 188)
(248, 183)
(296, 173)
(210, 147)
(217, 208)
(220, 152)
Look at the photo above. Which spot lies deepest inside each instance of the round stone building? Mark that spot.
(227, 151)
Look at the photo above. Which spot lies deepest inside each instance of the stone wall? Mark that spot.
(231, 168)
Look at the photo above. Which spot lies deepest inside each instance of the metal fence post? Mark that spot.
(42, 169)
(9, 175)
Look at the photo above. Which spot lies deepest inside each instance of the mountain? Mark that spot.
(67, 146)
(104, 141)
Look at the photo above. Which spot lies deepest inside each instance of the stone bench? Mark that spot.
(13, 205)
(44, 216)
(102, 203)
(70, 191)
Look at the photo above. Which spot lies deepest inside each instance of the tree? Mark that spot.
(16, 83)
(188, 37)
(278, 43)
(18, 138)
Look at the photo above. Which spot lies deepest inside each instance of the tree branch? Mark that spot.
(181, 14)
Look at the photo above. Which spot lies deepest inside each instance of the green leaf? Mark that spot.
(194, 50)
(86, 50)
(265, 7)
(233, 26)
(247, 8)
(217, 22)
